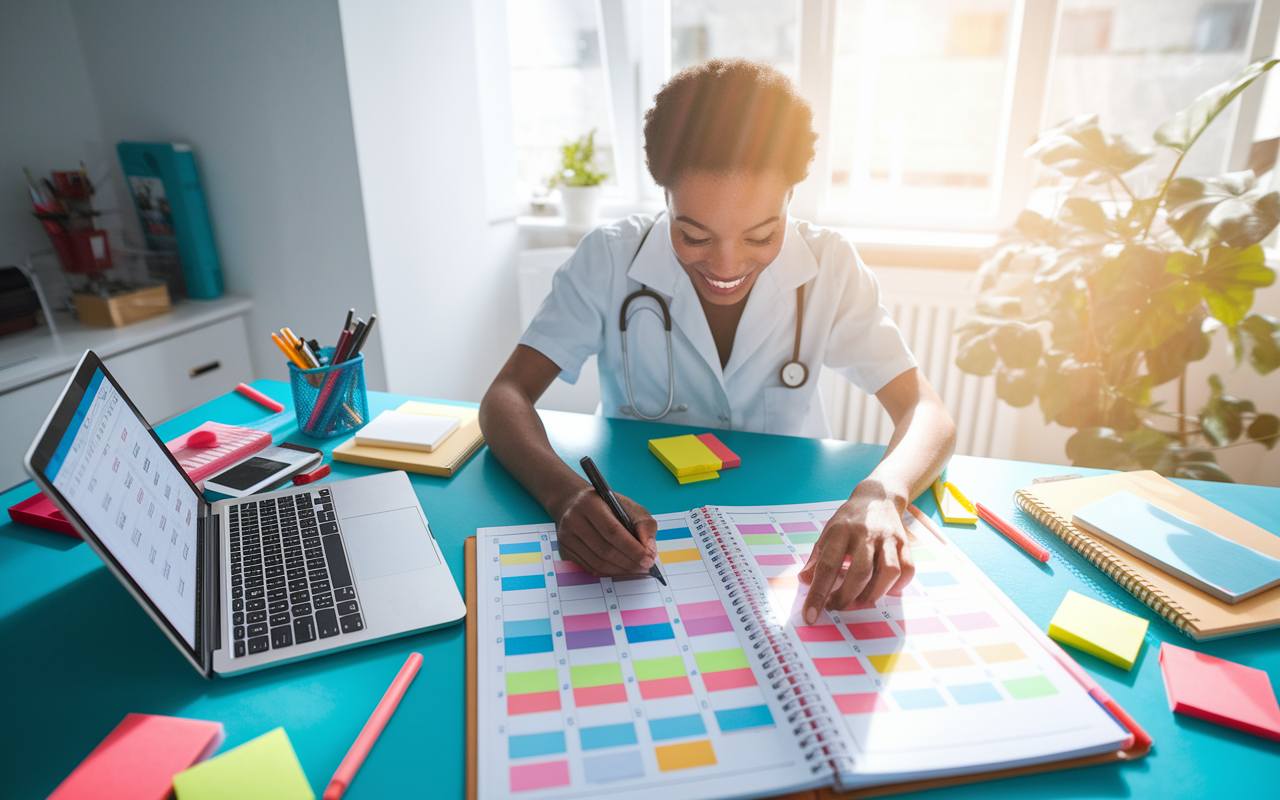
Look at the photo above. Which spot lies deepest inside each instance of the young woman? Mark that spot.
(718, 313)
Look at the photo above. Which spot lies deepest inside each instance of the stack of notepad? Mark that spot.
(407, 431)
(448, 451)
(694, 458)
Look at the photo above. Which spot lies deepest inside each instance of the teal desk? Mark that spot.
(78, 654)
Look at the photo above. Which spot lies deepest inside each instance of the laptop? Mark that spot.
(245, 583)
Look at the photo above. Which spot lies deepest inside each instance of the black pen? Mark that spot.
(607, 495)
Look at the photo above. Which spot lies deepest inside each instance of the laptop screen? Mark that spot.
(114, 473)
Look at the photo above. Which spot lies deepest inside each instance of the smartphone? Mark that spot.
(263, 471)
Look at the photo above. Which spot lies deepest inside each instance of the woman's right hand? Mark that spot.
(591, 537)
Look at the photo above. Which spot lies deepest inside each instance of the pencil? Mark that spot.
(372, 729)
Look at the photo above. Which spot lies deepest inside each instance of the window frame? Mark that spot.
(635, 44)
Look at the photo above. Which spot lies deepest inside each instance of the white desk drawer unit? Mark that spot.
(168, 365)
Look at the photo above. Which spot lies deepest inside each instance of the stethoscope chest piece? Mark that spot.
(793, 374)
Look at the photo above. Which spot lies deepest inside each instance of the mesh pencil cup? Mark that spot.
(330, 401)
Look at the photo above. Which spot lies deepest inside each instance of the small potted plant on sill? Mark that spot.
(579, 181)
(1122, 286)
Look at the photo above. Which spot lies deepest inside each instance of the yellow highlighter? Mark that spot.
(953, 506)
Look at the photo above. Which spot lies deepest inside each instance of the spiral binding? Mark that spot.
(1105, 560)
(818, 731)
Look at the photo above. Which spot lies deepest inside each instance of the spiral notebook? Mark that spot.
(712, 687)
(1191, 610)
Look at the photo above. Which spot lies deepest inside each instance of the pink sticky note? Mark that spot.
(1220, 691)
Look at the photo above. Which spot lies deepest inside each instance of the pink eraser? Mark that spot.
(202, 439)
(728, 458)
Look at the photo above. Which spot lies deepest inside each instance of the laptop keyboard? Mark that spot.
(290, 580)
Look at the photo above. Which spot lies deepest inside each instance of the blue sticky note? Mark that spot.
(1225, 569)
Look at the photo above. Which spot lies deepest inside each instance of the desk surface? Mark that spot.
(79, 654)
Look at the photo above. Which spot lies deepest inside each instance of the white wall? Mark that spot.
(260, 92)
(443, 274)
(47, 116)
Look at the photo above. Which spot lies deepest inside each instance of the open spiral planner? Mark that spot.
(714, 687)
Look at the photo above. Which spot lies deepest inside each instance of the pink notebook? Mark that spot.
(234, 445)
(137, 760)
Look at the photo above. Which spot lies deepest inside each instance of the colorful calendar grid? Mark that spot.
(606, 681)
(938, 648)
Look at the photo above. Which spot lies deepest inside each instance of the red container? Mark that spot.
(80, 251)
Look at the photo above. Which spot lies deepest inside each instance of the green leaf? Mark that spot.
(1084, 213)
(1229, 209)
(1226, 279)
(1202, 471)
(1078, 148)
(1032, 225)
(1018, 344)
(977, 354)
(1220, 423)
(1265, 429)
(1138, 304)
(1169, 359)
(1183, 129)
(1149, 446)
(1098, 447)
(1259, 335)
(1018, 387)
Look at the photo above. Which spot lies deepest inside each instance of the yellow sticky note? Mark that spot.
(701, 476)
(952, 512)
(685, 455)
(265, 768)
(1110, 634)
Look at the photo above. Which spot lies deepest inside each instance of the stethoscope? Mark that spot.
(793, 374)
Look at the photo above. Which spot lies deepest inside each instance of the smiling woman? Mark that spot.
(745, 300)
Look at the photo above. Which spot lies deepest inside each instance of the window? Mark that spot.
(557, 87)
(762, 30)
(924, 107)
(917, 101)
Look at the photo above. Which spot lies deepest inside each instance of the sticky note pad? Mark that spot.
(1219, 691)
(265, 768)
(685, 455)
(1098, 629)
(701, 476)
(1225, 569)
(728, 458)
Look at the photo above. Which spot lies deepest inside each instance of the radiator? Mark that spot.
(928, 305)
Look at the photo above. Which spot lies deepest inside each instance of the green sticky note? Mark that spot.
(1097, 628)
(265, 768)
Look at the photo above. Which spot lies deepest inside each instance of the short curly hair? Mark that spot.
(726, 115)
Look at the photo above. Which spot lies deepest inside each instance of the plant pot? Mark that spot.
(579, 205)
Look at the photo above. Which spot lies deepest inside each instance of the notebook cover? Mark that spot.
(1190, 610)
(1139, 749)
(234, 445)
(265, 768)
(138, 759)
(443, 461)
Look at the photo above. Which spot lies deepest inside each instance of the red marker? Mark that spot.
(258, 397)
(1018, 537)
(372, 729)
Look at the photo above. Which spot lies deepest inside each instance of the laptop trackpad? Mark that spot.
(388, 542)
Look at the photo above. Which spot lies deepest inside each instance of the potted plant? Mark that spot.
(579, 181)
(1119, 289)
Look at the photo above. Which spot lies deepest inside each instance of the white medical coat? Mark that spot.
(845, 328)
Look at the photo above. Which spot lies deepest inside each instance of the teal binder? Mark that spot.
(165, 187)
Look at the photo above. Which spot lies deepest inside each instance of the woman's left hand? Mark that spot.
(868, 531)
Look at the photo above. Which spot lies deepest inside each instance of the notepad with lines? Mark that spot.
(713, 687)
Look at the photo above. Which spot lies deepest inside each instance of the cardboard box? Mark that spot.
(122, 309)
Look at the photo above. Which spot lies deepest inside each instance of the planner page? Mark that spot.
(622, 688)
(946, 679)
